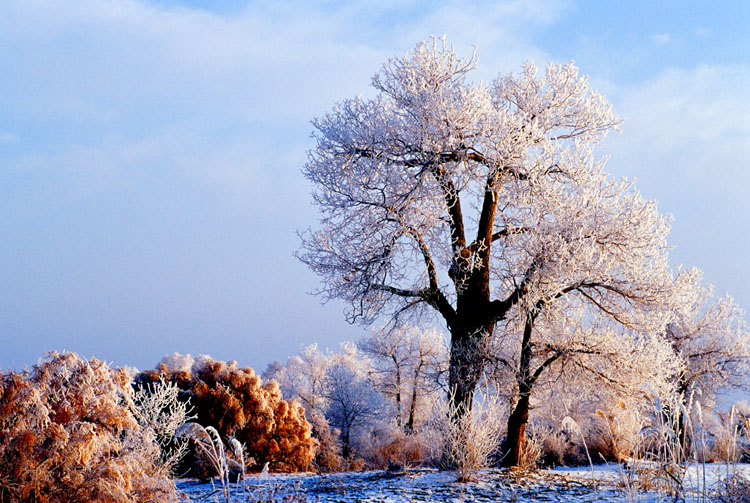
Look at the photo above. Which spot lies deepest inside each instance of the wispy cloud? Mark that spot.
(661, 38)
(248, 81)
(693, 122)
(687, 138)
(177, 132)
(8, 137)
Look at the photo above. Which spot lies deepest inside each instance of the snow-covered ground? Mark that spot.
(578, 484)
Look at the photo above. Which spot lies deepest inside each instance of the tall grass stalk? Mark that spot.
(208, 442)
(239, 451)
(569, 425)
(659, 457)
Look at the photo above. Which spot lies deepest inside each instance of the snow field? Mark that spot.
(565, 485)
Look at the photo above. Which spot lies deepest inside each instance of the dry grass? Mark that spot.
(470, 440)
(733, 489)
(396, 447)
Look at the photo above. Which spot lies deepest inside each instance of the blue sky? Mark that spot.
(150, 153)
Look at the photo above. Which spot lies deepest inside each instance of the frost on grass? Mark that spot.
(68, 434)
(159, 410)
(237, 403)
(471, 438)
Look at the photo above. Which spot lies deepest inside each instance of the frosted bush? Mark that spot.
(237, 403)
(68, 434)
(158, 408)
(328, 457)
(470, 439)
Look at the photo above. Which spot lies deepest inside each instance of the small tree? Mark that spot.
(711, 338)
(353, 403)
(157, 407)
(481, 204)
(339, 397)
(408, 365)
(304, 378)
(578, 370)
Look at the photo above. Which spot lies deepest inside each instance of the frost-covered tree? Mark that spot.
(566, 343)
(304, 377)
(711, 337)
(575, 371)
(480, 203)
(338, 394)
(353, 403)
(408, 364)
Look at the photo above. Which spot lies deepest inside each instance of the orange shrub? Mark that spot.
(394, 447)
(67, 434)
(236, 402)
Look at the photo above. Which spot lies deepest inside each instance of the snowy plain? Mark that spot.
(603, 483)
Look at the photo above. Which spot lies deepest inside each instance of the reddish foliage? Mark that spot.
(67, 434)
(236, 402)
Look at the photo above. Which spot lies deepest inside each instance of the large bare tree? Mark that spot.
(480, 203)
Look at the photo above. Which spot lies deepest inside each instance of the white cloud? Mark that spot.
(8, 137)
(687, 139)
(248, 82)
(661, 38)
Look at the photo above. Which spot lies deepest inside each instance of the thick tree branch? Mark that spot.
(499, 308)
(433, 297)
(558, 353)
(401, 292)
(453, 206)
(504, 233)
(429, 263)
(546, 363)
(432, 162)
(486, 223)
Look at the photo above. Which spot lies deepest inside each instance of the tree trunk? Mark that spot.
(412, 410)
(413, 405)
(345, 441)
(467, 360)
(398, 391)
(681, 411)
(515, 441)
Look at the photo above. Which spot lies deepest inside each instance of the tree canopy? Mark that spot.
(484, 203)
